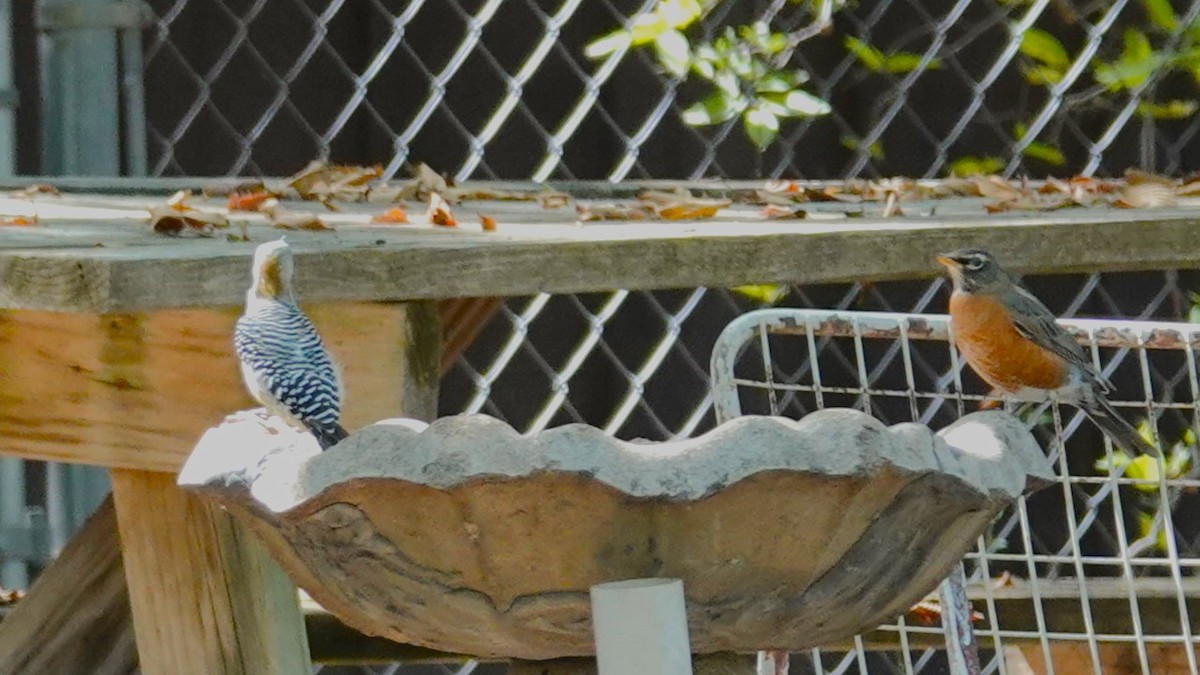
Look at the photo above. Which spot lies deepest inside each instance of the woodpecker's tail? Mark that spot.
(328, 434)
(1121, 432)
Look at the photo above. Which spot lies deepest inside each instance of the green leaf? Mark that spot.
(875, 151)
(679, 14)
(714, 109)
(608, 43)
(1146, 526)
(974, 166)
(1042, 75)
(673, 52)
(1138, 60)
(1043, 47)
(1179, 461)
(1045, 153)
(647, 27)
(1161, 14)
(869, 56)
(774, 83)
(767, 294)
(795, 103)
(906, 62)
(1145, 469)
(727, 83)
(762, 126)
(1137, 45)
(1171, 110)
(1194, 312)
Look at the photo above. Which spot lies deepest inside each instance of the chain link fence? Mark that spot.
(504, 89)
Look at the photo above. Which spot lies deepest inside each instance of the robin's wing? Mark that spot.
(1035, 322)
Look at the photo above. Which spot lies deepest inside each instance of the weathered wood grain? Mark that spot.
(76, 619)
(96, 254)
(136, 391)
(207, 598)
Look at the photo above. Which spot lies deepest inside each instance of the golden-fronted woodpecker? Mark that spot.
(284, 363)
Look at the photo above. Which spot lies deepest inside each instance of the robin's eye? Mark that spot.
(975, 264)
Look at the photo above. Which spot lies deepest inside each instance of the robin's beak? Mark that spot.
(946, 260)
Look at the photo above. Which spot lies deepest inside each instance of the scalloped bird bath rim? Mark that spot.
(466, 536)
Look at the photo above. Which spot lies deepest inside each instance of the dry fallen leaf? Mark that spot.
(681, 204)
(19, 221)
(929, 613)
(285, 220)
(250, 200)
(175, 216)
(1189, 187)
(34, 190)
(178, 201)
(326, 182)
(439, 212)
(488, 223)
(995, 187)
(550, 199)
(589, 212)
(772, 212)
(1147, 195)
(392, 215)
(1139, 177)
(798, 192)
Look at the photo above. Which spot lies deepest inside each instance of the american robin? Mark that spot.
(1015, 343)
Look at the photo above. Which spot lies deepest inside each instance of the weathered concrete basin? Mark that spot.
(466, 536)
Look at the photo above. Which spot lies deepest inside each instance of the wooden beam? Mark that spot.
(137, 391)
(76, 618)
(96, 254)
(207, 598)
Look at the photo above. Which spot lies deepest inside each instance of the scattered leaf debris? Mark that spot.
(394, 215)
(681, 204)
(175, 216)
(488, 223)
(439, 212)
(249, 198)
(591, 212)
(288, 220)
(324, 183)
(929, 613)
(31, 191)
(1146, 195)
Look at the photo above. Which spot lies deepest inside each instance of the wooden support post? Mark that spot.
(75, 620)
(206, 597)
(420, 356)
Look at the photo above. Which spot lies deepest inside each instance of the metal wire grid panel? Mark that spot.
(903, 367)
(502, 89)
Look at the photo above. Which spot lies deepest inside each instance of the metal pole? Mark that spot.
(14, 573)
(132, 84)
(81, 121)
(962, 649)
(641, 628)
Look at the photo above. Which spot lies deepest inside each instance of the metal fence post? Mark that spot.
(81, 84)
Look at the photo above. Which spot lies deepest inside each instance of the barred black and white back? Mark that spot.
(284, 362)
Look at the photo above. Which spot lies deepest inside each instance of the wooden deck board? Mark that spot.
(95, 252)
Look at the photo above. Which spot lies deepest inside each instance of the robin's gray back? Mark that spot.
(1035, 322)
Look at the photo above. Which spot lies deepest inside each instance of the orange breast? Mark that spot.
(986, 338)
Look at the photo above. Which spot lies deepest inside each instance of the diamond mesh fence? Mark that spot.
(504, 89)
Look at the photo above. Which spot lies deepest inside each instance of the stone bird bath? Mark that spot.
(466, 536)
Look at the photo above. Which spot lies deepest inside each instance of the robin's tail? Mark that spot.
(1121, 432)
(328, 434)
